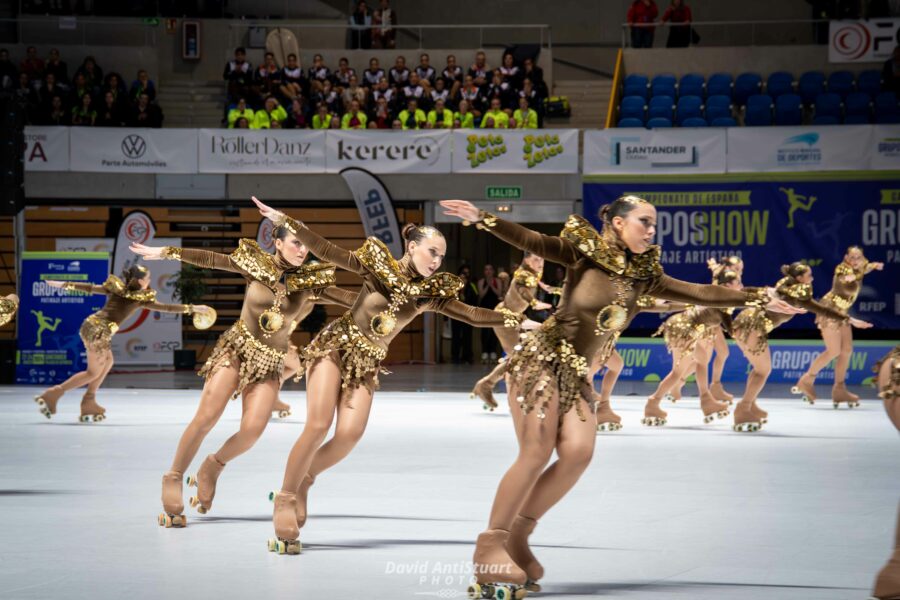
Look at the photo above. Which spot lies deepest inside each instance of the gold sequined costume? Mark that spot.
(844, 290)
(8, 308)
(892, 390)
(684, 330)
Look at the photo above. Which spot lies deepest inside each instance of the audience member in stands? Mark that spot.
(84, 114)
(342, 76)
(93, 74)
(463, 118)
(890, 73)
(384, 91)
(59, 69)
(496, 117)
(384, 21)
(398, 75)
(323, 117)
(412, 117)
(480, 71)
(678, 15)
(110, 113)
(641, 16)
(57, 115)
(354, 118)
(79, 89)
(413, 90)
(8, 72)
(373, 74)
(382, 117)
(293, 82)
(461, 345)
(241, 111)
(32, 65)
(24, 91)
(511, 73)
(361, 27)
(318, 74)
(146, 114)
(471, 93)
(114, 83)
(329, 98)
(242, 123)
(440, 117)
(335, 122)
(352, 92)
(397, 125)
(425, 71)
(536, 74)
(440, 92)
(267, 78)
(46, 92)
(239, 75)
(298, 116)
(501, 90)
(525, 117)
(452, 75)
(271, 112)
(142, 85)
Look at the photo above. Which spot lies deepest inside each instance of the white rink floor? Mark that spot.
(805, 509)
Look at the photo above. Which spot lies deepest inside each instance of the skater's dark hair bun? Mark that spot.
(725, 276)
(794, 270)
(620, 207)
(732, 260)
(280, 232)
(416, 233)
(133, 274)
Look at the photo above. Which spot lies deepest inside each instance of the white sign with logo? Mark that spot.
(655, 151)
(125, 150)
(426, 151)
(150, 337)
(760, 149)
(46, 148)
(261, 151)
(886, 148)
(872, 40)
(515, 151)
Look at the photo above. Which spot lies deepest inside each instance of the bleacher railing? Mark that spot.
(85, 31)
(786, 32)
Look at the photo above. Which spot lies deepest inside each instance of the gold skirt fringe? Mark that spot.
(831, 301)
(544, 360)
(96, 333)
(749, 321)
(892, 390)
(257, 361)
(360, 357)
(681, 334)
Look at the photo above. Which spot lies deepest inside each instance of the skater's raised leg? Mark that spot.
(607, 420)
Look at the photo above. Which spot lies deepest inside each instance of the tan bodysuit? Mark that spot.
(843, 293)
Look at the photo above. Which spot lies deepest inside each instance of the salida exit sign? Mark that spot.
(503, 192)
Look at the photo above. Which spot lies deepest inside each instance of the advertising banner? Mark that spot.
(377, 151)
(46, 148)
(126, 150)
(871, 40)
(49, 349)
(763, 149)
(376, 208)
(885, 152)
(515, 151)
(654, 151)
(261, 151)
(770, 223)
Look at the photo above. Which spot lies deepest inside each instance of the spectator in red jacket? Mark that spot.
(641, 17)
(679, 16)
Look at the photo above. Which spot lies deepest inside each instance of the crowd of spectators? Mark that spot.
(423, 96)
(87, 97)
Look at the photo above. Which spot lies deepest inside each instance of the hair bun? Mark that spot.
(408, 230)
(785, 269)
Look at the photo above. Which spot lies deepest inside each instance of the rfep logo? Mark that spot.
(134, 146)
(137, 228)
(852, 41)
(135, 346)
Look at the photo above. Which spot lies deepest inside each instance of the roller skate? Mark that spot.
(840, 393)
(173, 505)
(205, 482)
(47, 401)
(302, 492)
(284, 518)
(496, 575)
(745, 419)
(282, 409)
(654, 416)
(484, 389)
(90, 410)
(805, 386)
(607, 420)
(763, 415)
(520, 552)
(718, 392)
(675, 395)
(712, 408)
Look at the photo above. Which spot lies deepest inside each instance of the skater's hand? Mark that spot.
(147, 252)
(13, 297)
(542, 306)
(780, 306)
(463, 209)
(54, 283)
(267, 211)
(877, 266)
(528, 325)
(859, 323)
(202, 309)
(544, 286)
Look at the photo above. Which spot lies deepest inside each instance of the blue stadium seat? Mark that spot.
(720, 84)
(811, 84)
(887, 119)
(636, 90)
(826, 120)
(663, 78)
(687, 107)
(841, 83)
(780, 83)
(694, 122)
(692, 84)
(718, 106)
(869, 82)
(887, 109)
(788, 110)
(746, 85)
(758, 111)
(663, 87)
(632, 107)
(637, 79)
(631, 123)
(858, 103)
(659, 123)
(857, 120)
(724, 122)
(829, 105)
(661, 106)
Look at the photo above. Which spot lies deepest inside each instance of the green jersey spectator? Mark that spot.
(495, 118)
(412, 117)
(322, 118)
(273, 112)
(463, 118)
(440, 117)
(525, 117)
(354, 118)
(241, 110)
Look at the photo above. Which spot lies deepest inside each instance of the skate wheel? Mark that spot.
(201, 509)
(84, 419)
(795, 390)
(474, 592)
(161, 519)
(194, 501)
(270, 544)
(722, 414)
(501, 592)
(709, 418)
(837, 404)
(191, 480)
(272, 495)
(284, 414)
(669, 397)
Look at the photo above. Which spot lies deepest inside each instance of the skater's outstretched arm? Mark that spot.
(325, 250)
(550, 247)
(88, 288)
(194, 256)
(716, 296)
(186, 309)
(482, 317)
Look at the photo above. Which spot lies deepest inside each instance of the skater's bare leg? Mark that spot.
(614, 366)
(702, 354)
(94, 385)
(352, 418)
(213, 400)
(257, 401)
(720, 345)
(682, 364)
(832, 338)
(843, 359)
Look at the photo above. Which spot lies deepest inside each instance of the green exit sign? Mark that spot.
(503, 192)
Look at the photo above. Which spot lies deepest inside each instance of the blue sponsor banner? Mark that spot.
(49, 349)
(769, 223)
(649, 360)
